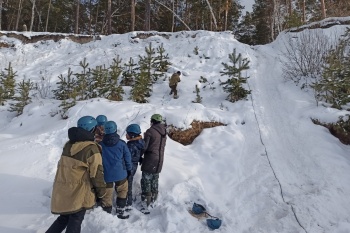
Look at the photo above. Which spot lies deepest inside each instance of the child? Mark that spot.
(79, 169)
(117, 167)
(136, 147)
(100, 131)
(152, 164)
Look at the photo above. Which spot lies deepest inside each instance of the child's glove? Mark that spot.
(129, 174)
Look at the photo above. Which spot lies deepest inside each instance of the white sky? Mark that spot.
(236, 171)
(248, 5)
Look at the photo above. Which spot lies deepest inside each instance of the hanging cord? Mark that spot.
(268, 159)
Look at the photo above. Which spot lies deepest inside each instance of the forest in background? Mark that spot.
(105, 17)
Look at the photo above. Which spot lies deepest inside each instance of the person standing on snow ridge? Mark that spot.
(173, 81)
(117, 166)
(79, 178)
(136, 147)
(152, 163)
(100, 131)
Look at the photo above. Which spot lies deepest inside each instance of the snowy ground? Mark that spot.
(269, 170)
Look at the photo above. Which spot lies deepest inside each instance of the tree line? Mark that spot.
(262, 25)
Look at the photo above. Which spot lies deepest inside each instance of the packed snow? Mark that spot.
(270, 169)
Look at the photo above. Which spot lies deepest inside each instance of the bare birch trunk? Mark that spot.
(76, 31)
(304, 12)
(147, 15)
(48, 16)
(174, 14)
(109, 17)
(212, 14)
(226, 14)
(1, 1)
(323, 9)
(32, 18)
(173, 18)
(132, 13)
(18, 14)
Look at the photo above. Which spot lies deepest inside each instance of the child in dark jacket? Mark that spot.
(136, 147)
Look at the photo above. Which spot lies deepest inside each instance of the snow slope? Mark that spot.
(269, 170)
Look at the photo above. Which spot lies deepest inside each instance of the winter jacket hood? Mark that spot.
(76, 134)
(111, 139)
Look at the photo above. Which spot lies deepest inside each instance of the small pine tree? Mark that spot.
(128, 73)
(141, 89)
(67, 92)
(65, 86)
(99, 86)
(198, 97)
(233, 85)
(65, 105)
(83, 81)
(146, 63)
(115, 91)
(8, 83)
(22, 97)
(334, 86)
(161, 62)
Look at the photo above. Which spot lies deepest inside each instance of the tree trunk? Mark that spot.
(226, 14)
(304, 14)
(323, 9)
(212, 15)
(290, 7)
(147, 15)
(90, 16)
(1, 1)
(173, 18)
(18, 14)
(32, 18)
(76, 31)
(109, 17)
(132, 15)
(47, 17)
(174, 14)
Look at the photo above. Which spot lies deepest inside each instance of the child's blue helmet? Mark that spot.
(101, 119)
(87, 122)
(214, 223)
(198, 209)
(133, 128)
(110, 127)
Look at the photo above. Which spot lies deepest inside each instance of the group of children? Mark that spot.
(96, 161)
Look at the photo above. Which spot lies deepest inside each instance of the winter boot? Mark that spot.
(121, 202)
(108, 209)
(154, 199)
(128, 208)
(171, 92)
(145, 202)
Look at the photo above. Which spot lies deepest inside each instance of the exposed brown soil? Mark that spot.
(82, 39)
(336, 130)
(324, 24)
(145, 35)
(187, 136)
